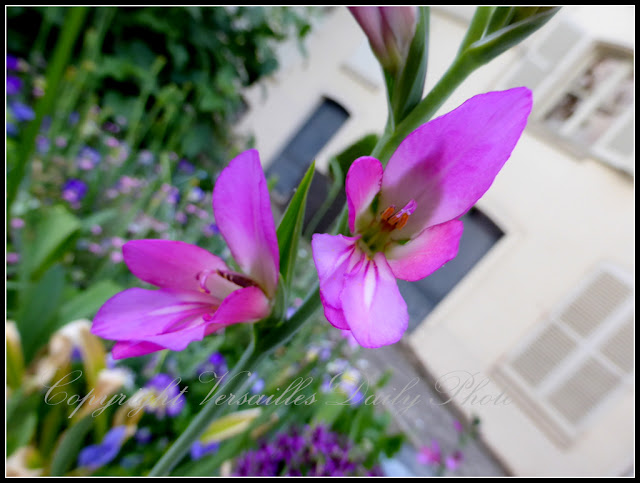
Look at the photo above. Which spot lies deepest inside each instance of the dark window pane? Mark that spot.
(290, 165)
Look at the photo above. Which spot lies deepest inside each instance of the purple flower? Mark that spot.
(185, 166)
(168, 397)
(97, 455)
(21, 112)
(313, 451)
(405, 218)
(457, 425)
(143, 436)
(88, 158)
(454, 460)
(17, 223)
(14, 84)
(198, 449)
(12, 130)
(211, 230)
(12, 258)
(430, 454)
(74, 190)
(42, 144)
(12, 62)
(216, 364)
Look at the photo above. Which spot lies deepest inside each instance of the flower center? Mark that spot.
(378, 234)
(235, 278)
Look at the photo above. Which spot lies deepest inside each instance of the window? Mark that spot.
(290, 165)
(583, 91)
(479, 235)
(573, 365)
(595, 111)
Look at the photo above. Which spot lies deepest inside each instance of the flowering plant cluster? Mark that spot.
(232, 342)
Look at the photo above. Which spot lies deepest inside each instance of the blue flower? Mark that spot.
(21, 112)
(74, 190)
(97, 455)
(169, 400)
(198, 449)
(14, 84)
(12, 62)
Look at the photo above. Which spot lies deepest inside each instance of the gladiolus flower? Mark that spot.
(390, 31)
(199, 294)
(405, 218)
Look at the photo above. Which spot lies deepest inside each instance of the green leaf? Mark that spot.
(88, 302)
(502, 40)
(362, 147)
(230, 425)
(71, 442)
(290, 227)
(22, 420)
(55, 226)
(36, 317)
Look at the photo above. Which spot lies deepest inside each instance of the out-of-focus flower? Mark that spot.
(165, 396)
(88, 158)
(390, 31)
(198, 449)
(96, 230)
(143, 435)
(74, 190)
(186, 167)
(211, 230)
(14, 84)
(21, 112)
(12, 62)
(12, 258)
(22, 462)
(199, 294)
(430, 454)
(314, 451)
(145, 157)
(454, 460)
(405, 218)
(116, 257)
(97, 455)
(457, 425)
(42, 144)
(216, 364)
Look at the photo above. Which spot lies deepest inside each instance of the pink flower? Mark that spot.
(454, 460)
(404, 219)
(199, 294)
(430, 454)
(390, 31)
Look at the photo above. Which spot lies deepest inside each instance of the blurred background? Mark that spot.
(529, 330)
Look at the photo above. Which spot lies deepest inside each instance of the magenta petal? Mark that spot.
(362, 185)
(137, 314)
(373, 307)
(242, 210)
(447, 164)
(427, 252)
(125, 349)
(335, 316)
(248, 304)
(176, 265)
(333, 256)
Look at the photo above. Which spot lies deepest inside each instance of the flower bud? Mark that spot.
(390, 31)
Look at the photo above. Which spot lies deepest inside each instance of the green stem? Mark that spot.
(423, 112)
(201, 421)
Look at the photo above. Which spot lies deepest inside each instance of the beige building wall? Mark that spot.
(562, 216)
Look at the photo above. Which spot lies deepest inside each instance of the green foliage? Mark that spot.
(209, 55)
